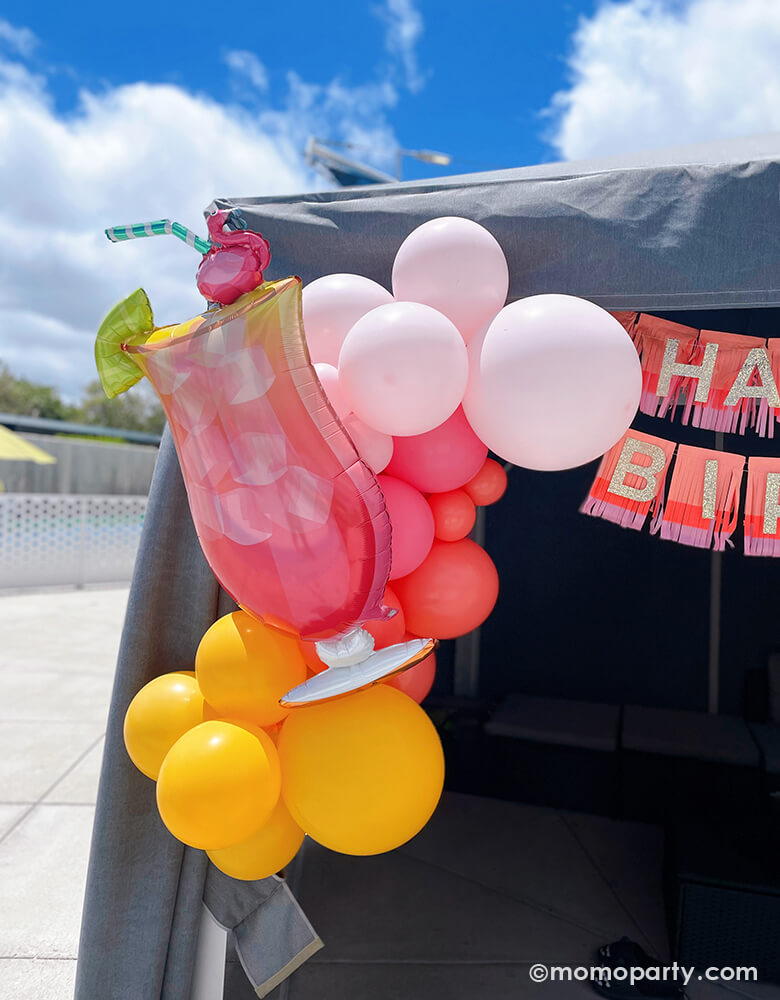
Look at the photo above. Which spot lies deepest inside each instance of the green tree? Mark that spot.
(136, 410)
(30, 399)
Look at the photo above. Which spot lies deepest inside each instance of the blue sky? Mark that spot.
(126, 112)
(485, 72)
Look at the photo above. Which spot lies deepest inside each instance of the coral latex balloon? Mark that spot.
(456, 266)
(244, 667)
(162, 711)
(489, 484)
(266, 852)
(441, 460)
(417, 681)
(332, 305)
(451, 593)
(361, 774)
(218, 784)
(454, 514)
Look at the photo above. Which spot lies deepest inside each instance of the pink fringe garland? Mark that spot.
(650, 335)
(756, 542)
(619, 510)
(683, 520)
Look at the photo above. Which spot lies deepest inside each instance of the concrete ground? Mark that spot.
(57, 658)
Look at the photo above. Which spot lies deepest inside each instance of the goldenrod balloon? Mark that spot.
(244, 667)
(162, 711)
(361, 774)
(273, 846)
(218, 784)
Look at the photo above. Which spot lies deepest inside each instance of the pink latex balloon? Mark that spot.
(332, 305)
(374, 447)
(404, 368)
(554, 382)
(456, 266)
(441, 460)
(417, 681)
(329, 380)
(411, 521)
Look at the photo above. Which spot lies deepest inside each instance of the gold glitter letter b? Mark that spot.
(626, 466)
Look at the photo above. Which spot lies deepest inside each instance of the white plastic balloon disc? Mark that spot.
(341, 680)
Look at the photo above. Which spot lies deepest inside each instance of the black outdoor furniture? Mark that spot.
(722, 888)
(677, 763)
(553, 752)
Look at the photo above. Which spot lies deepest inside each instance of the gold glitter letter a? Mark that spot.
(757, 359)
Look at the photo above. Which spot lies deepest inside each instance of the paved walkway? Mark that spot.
(57, 658)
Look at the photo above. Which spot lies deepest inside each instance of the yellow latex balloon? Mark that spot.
(274, 845)
(162, 711)
(244, 667)
(361, 774)
(218, 784)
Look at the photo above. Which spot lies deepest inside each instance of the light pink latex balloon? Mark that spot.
(456, 266)
(329, 380)
(441, 460)
(554, 382)
(374, 447)
(403, 368)
(411, 520)
(333, 304)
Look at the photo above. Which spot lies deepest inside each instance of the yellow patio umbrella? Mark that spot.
(14, 447)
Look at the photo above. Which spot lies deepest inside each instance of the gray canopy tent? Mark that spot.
(671, 232)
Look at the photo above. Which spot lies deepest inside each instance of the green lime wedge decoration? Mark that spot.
(129, 322)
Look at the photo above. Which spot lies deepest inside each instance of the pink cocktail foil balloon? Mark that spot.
(291, 521)
(554, 382)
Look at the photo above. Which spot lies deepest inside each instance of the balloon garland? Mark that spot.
(418, 385)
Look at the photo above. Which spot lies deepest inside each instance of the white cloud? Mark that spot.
(246, 64)
(132, 154)
(21, 40)
(648, 73)
(129, 154)
(403, 30)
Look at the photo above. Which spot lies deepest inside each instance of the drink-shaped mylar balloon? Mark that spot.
(291, 520)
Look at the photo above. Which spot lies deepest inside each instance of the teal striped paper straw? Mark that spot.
(162, 227)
